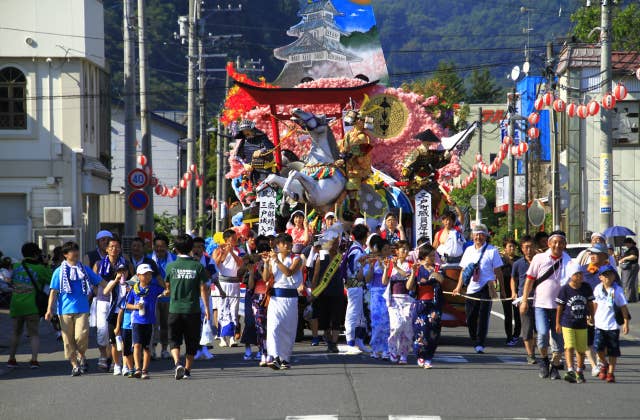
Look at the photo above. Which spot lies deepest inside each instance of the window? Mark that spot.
(13, 100)
(625, 121)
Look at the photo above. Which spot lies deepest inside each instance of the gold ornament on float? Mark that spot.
(389, 114)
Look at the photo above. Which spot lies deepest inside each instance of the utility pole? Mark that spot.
(130, 223)
(203, 123)
(191, 108)
(555, 152)
(478, 171)
(145, 122)
(512, 171)
(606, 146)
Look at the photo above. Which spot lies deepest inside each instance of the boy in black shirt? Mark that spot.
(575, 306)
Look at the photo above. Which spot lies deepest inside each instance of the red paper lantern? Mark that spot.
(523, 148)
(187, 176)
(572, 109)
(538, 104)
(547, 98)
(199, 182)
(559, 105)
(514, 150)
(507, 140)
(534, 118)
(193, 168)
(478, 157)
(158, 189)
(609, 101)
(620, 92)
(593, 108)
(533, 133)
(503, 154)
(174, 191)
(183, 184)
(142, 160)
(582, 111)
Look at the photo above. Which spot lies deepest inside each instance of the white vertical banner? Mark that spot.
(267, 223)
(423, 216)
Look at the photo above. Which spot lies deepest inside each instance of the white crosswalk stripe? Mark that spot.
(313, 417)
(392, 417)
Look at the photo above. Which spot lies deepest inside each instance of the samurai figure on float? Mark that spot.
(355, 149)
(420, 167)
(254, 152)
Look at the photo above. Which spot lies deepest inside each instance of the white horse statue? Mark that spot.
(318, 182)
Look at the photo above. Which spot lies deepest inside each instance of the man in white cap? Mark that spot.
(547, 273)
(482, 285)
(596, 238)
(102, 240)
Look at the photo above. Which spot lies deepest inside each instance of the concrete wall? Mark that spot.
(56, 28)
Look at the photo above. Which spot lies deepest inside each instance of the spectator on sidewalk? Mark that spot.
(629, 270)
(22, 308)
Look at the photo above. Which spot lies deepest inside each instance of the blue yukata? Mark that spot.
(379, 310)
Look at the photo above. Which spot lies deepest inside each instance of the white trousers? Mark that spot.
(228, 309)
(282, 323)
(102, 326)
(354, 317)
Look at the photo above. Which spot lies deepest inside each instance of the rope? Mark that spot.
(478, 299)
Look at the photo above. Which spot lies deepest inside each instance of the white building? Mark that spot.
(579, 80)
(54, 121)
(165, 134)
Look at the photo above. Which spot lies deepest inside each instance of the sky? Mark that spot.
(358, 17)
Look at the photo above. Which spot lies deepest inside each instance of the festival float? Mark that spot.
(333, 137)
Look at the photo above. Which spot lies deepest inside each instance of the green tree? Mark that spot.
(625, 23)
(447, 75)
(483, 89)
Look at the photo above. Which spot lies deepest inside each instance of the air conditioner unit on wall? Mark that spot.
(57, 216)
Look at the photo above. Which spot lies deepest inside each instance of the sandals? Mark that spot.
(145, 374)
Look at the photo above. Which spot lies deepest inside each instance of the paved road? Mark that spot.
(462, 385)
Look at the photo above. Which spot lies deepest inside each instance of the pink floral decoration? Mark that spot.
(400, 146)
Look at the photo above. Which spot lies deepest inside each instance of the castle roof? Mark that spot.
(308, 44)
(318, 6)
(303, 26)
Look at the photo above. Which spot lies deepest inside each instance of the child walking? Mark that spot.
(609, 295)
(428, 306)
(123, 330)
(142, 300)
(397, 277)
(282, 316)
(372, 272)
(575, 308)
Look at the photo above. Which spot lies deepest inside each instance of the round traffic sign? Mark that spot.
(478, 202)
(138, 200)
(137, 178)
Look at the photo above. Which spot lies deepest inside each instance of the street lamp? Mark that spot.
(179, 149)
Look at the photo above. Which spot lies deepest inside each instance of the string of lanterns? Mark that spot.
(171, 191)
(580, 110)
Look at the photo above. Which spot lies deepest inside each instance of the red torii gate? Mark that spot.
(302, 96)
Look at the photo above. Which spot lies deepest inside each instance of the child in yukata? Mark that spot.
(398, 276)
